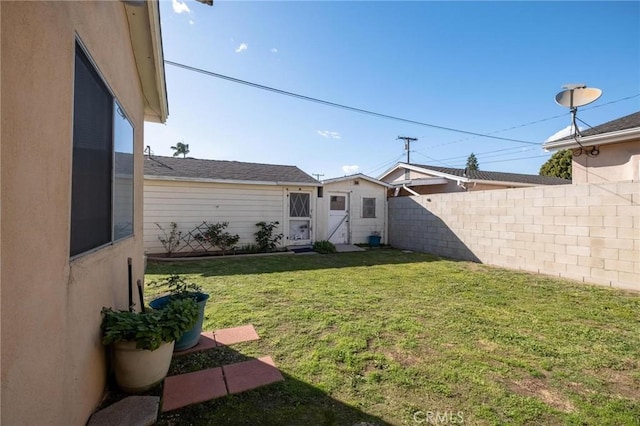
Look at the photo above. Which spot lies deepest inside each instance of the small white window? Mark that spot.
(369, 207)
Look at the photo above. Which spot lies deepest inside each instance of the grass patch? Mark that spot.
(382, 336)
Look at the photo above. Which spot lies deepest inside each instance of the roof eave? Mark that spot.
(601, 139)
(357, 176)
(146, 40)
(231, 181)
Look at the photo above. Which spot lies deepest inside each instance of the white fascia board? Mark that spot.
(436, 173)
(357, 176)
(230, 181)
(503, 182)
(146, 41)
(421, 182)
(602, 139)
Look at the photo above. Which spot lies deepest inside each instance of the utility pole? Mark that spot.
(407, 145)
(317, 175)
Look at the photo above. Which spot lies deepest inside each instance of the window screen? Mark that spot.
(299, 204)
(369, 207)
(92, 158)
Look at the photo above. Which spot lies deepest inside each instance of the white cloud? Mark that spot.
(567, 131)
(350, 169)
(329, 134)
(180, 7)
(242, 47)
(274, 50)
(191, 22)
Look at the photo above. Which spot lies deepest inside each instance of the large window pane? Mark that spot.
(123, 177)
(92, 159)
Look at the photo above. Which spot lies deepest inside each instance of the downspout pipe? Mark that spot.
(409, 190)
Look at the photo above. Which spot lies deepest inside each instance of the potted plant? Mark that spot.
(179, 289)
(142, 342)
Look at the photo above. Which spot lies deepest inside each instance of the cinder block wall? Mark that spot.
(588, 232)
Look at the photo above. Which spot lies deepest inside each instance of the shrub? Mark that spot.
(324, 247)
(265, 238)
(178, 287)
(216, 236)
(171, 239)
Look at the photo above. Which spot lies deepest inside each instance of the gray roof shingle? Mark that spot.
(223, 170)
(497, 176)
(623, 123)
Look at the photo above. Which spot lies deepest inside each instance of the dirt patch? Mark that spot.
(402, 358)
(620, 382)
(487, 345)
(538, 388)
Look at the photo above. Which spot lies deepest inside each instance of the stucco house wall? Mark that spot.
(54, 366)
(188, 203)
(615, 163)
(359, 227)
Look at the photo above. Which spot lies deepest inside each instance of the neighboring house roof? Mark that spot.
(172, 168)
(146, 40)
(619, 130)
(357, 176)
(463, 175)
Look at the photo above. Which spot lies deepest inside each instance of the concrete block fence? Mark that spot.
(586, 232)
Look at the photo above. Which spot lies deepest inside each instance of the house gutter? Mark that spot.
(602, 139)
(231, 181)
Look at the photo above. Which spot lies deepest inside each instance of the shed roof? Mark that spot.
(219, 170)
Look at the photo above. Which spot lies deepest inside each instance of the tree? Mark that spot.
(559, 165)
(472, 162)
(180, 148)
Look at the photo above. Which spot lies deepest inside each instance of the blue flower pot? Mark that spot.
(374, 240)
(190, 337)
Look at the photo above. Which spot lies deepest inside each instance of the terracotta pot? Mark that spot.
(138, 370)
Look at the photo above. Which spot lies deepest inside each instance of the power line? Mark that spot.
(336, 105)
(539, 121)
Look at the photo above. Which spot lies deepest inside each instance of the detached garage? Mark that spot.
(188, 191)
(351, 209)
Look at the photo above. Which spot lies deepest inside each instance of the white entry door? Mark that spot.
(338, 219)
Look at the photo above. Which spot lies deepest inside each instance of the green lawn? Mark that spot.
(387, 337)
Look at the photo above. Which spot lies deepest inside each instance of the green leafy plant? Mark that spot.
(250, 248)
(151, 328)
(324, 247)
(216, 236)
(265, 237)
(171, 238)
(178, 287)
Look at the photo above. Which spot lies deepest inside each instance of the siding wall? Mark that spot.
(587, 232)
(189, 203)
(359, 228)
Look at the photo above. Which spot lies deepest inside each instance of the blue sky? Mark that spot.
(476, 66)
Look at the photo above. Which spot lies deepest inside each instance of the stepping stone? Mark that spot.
(229, 336)
(207, 341)
(130, 411)
(191, 388)
(251, 374)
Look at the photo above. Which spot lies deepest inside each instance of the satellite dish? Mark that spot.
(577, 95)
(574, 96)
